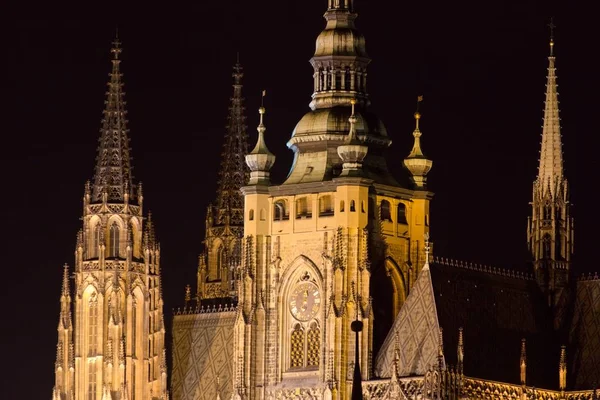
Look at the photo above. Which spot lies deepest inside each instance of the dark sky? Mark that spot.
(480, 65)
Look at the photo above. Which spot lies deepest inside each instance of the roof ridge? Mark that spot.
(510, 273)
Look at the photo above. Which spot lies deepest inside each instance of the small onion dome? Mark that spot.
(416, 162)
(353, 152)
(260, 160)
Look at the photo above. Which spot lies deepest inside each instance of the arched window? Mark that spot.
(342, 206)
(263, 215)
(114, 240)
(280, 211)
(313, 347)
(325, 206)
(352, 206)
(220, 261)
(95, 241)
(251, 215)
(297, 347)
(401, 215)
(385, 211)
(303, 208)
(93, 325)
(362, 207)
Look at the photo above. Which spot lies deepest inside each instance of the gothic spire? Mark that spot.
(113, 163)
(550, 173)
(233, 174)
(65, 300)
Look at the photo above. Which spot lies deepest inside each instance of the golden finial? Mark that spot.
(552, 26)
(418, 113)
(262, 109)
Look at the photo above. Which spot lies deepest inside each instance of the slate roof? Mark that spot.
(496, 310)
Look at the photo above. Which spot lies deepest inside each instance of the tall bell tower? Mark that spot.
(338, 243)
(550, 229)
(114, 347)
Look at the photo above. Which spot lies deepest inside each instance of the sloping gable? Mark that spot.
(414, 335)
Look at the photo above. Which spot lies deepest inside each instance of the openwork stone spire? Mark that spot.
(233, 174)
(113, 163)
(550, 173)
(550, 227)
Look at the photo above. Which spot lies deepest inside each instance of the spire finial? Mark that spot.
(353, 120)
(427, 250)
(562, 370)
(416, 162)
(260, 160)
(417, 114)
(523, 362)
(461, 351)
(551, 26)
(65, 283)
(116, 46)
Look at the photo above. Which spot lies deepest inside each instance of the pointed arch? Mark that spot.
(304, 350)
(115, 234)
(93, 235)
(137, 322)
(300, 265)
(399, 284)
(136, 236)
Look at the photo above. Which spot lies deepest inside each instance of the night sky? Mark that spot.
(480, 65)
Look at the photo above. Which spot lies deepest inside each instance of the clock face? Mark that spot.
(305, 301)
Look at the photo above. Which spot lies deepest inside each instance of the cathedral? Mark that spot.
(324, 286)
(111, 334)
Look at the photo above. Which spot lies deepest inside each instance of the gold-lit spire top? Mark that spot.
(260, 160)
(416, 162)
(552, 26)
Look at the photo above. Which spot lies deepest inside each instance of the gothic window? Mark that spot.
(325, 206)
(92, 380)
(313, 347)
(251, 215)
(134, 326)
(342, 206)
(95, 241)
(546, 246)
(92, 324)
(386, 215)
(352, 206)
(401, 215)
(114, 240)
(303, 208)
(280, 210)
(220, 261)
(297, 347)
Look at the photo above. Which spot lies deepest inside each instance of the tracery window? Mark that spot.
(93, 325)
(297, 347)
(92, 380)
(313, 347)
(114, 240)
